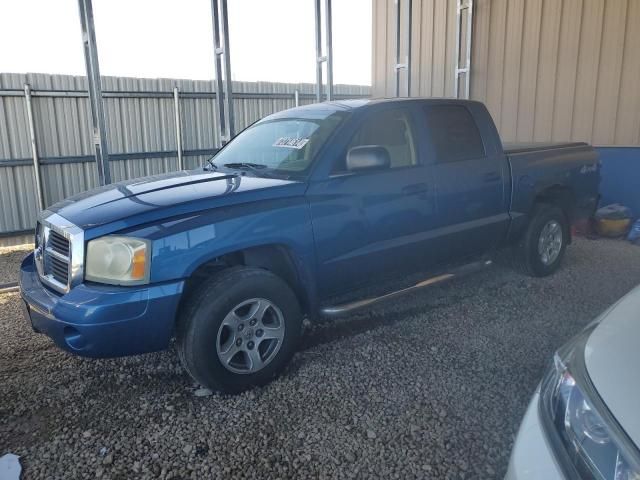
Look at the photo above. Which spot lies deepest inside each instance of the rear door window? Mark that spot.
(453, 132)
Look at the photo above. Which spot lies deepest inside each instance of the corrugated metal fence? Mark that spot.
(141, 131)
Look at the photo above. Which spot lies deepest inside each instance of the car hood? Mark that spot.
(167, 194)
(612, 358)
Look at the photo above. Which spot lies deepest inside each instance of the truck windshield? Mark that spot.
(286, 145)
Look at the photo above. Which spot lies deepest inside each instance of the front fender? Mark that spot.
(180, 246)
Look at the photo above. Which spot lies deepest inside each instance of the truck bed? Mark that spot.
(537, 167)
(513, 148)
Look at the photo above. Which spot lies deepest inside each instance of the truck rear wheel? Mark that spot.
(239, 329)
(542, 247)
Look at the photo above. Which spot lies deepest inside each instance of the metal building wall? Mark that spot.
(142, 126)
(549, 70)
(433, 48)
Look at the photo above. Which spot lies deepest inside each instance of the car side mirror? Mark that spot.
(368, 157)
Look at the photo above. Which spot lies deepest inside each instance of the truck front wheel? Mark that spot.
(239, 329)
(542, 247)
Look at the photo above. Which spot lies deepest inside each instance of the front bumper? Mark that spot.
(102, 321)
(532, 457)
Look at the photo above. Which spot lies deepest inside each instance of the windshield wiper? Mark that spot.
(212, 166)
(259, 169)
(245, 165)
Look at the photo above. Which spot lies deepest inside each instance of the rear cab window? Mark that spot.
(454, 133)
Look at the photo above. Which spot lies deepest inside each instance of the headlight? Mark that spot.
(581, 428)
(118, 260)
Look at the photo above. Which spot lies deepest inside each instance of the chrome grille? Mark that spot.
(59, 253)
(53, 254)
(58, 243)
(59, 269)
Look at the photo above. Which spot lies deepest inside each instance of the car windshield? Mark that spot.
(286, 145)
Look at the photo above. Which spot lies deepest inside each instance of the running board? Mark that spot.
(347, 308)
(9, 287)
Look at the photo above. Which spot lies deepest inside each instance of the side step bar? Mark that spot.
(347, 308)
(9, 287)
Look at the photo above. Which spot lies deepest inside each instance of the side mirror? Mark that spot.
(368, 157)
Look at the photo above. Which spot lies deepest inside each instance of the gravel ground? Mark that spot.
(10, 258)
(431, 386)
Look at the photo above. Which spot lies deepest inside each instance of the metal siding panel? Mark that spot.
(197, 126)
(425, 48)
(416, 41)
(380, 46)
(17, 128)
(529, 70)
(547, 68)
(52, 183)
(83, 135)
(5, 145)
(610, 73)
(190, 123)
(450, 48)
(390, 52)
(480, 49)
(7, 81)
(74, 178)
(25, 201)
(9, 213)
(588, 66)
(495, 71)
(44, 117)
(567, 70)
(112, 108)
(628, 118)
(438, 85)
(511, 72)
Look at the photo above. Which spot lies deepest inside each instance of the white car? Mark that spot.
(584, 420)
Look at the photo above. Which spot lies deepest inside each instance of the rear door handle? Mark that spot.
(415, 188)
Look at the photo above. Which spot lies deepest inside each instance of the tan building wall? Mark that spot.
(547, 69)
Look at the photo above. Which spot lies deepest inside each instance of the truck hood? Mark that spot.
(612, 357)
(169, 194)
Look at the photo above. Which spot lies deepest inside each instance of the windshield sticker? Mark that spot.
(290, 142)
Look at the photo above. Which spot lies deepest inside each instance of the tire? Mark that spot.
(531, 256)
(222, 316)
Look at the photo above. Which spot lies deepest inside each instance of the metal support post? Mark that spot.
(95, 91)
(319, 58)
(34, 147)
(227, 69)
(466, 68)
(328, 57)
(176, 107)
(296, 97)
(407, 61)
(217, 64)
(329, 48)
(224, 98)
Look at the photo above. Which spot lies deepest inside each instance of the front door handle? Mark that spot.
(415, 188)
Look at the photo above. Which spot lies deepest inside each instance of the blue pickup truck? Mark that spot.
(310, 212)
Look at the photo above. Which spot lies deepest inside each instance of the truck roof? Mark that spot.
(326, 108)
(363, 102)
